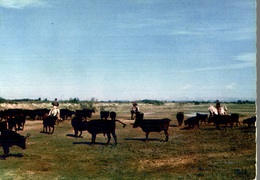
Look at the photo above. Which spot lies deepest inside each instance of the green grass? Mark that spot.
(203, 153)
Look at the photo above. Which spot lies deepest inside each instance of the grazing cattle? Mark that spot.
(49, 124)
(234, 117)
(152, 125)
(16, 122)
(250, 121)
(66, 113)
(221, 119)
(202, 118)
(39, 113)
(31, 114)
(11, 123)
(85, 113)
(94, 127)
(180, 117)
(78, 124)
(211, 119)
(104, 115)
(3, 126)
(10, 138)
(112, 115)
(2, 115)
(192, 122)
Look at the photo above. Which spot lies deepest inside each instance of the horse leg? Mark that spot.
(52, 129)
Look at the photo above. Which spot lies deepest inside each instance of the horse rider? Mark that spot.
(134, 109)
(55, 111)
(218, 106)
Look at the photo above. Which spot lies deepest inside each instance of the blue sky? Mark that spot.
(128, 49)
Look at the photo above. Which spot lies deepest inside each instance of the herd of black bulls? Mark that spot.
(196, 121)
(13, 120)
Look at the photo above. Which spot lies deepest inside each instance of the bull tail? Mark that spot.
(27, 135)
(124, 125)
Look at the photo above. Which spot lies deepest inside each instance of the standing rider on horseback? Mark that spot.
(134, 109)
(218, 106)
(55, 111)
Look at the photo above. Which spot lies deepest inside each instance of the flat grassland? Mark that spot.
(204, 153)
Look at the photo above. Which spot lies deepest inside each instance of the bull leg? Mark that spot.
(231, 125)
(146, 136)
(6, 150)
(166, 135)
(114, 136)
(75, 133)
(93, 138)
(217, 126)
(80, 133)
(108, 137)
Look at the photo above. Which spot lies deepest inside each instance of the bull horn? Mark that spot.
(27, 135)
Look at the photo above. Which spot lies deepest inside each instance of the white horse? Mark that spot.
(213, 110)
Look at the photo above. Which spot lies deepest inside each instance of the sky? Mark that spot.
(128, 49)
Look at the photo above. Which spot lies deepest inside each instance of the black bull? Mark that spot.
(10, 138)
(49, 124)
(95, 127)
(152, 125)
(221, 119)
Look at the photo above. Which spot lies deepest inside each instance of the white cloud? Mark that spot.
(186, 87)
(20, 4)
(242, 65)
(246, 57)
(231, 86)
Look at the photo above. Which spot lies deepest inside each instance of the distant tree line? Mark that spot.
(234, 102)
(245, 102)
(155, 102)
(90, 103)
(2, 100)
